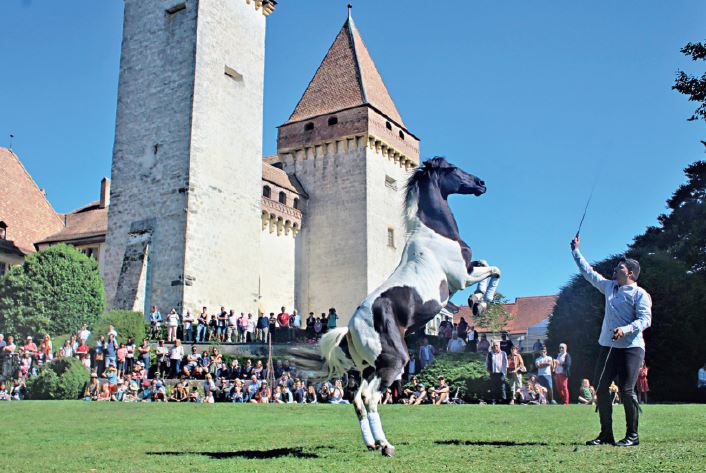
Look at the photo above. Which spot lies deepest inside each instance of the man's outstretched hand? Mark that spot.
(575, 242)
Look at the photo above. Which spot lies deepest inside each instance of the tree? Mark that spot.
(496, 317)
(54, 291)
(694, 87)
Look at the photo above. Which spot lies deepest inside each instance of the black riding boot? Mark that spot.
(632, 414)
(605, 413)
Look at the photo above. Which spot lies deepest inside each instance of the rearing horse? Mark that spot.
(435, 263)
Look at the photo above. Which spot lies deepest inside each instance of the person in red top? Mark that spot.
(82, 348)
(31, 347)
(643, 386)
(283, 320)
(122, 353)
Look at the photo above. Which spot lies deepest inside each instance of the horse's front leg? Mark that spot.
(362, 414)
(371, 397)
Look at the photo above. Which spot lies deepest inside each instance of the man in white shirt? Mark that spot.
(496, 364)
(455, 345)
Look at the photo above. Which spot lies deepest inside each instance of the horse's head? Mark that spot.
(453, 180)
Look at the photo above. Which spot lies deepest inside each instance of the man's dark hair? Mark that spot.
(632, 265)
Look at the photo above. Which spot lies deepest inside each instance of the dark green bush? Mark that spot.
(63, 378)
(464, 371)
(125, 322)
(53, 291)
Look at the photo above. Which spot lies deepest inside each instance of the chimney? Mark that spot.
(105, 193)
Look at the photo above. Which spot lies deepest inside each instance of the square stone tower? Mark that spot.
(348, 146)
(184, 219)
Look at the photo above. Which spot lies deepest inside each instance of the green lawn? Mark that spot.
(75, 436)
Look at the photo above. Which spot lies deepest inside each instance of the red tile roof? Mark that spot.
(280, 178)
(526, 311)
(347, 77)
(90, 222)
(23, 206)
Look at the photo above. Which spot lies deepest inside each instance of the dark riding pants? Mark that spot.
(621, 365)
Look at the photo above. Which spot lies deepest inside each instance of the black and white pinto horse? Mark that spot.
(435, 263)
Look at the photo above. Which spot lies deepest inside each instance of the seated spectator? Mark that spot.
(208, 384)
(104, 394)
(299, 392)
(120, 391)
(132, 393)
(278, 396)
(19, 389)
(264, 395)
(111, 374)
(587, 394)
(93, 389)
(286, 393)
(237, 394)
(160, 392)
(415, 395)
(440, 393)
(4, 395)
(311, 397)
(386, 397)
(325, 392)
(259, 370)
(252, 388)
(191, 368)
(194, 395)
(179, 394)
(337, 393)
(246, 372)
(534, 393)
(204, 364)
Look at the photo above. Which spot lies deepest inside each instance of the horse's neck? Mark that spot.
(432, 210)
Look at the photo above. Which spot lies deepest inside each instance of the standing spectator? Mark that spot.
(506, 344)
(222, 325)
(172, 325)
(456, 344)
(263, 327)
(537, 346)
(472, 338)
(84, 333)
(643, 387)
(66, 351)
(176, 354)
(587, 393)
(187, 333)
(324, 323)
(242, 327)
(700, 381)
(121, 354)
(295, 325)
(144, 351)
(212, 322)
(82, 350)
(99, 355)
(111, 330)
(202, 326)
(562, 372)
(162, 354)
(332, 318)
(310, 333)
(515, 368)
(251, 328)
(155, 321)
(130, 357)
(232, 327)
(3, 344)
(483, 344)
(496, 364)
(426, 354)
(46, 350)
(544, 372)
(31, 347)
(8, 352)
(110, 350)
(317, 328)
(411, 367)
(462, 328)
(283, 321)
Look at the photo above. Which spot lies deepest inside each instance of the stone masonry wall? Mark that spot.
(277, 269)
(224, 224)
(151, 149)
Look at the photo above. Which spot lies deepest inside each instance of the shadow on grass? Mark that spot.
(489, 443)
(249, 454)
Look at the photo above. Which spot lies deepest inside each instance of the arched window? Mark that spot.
(309, 126)
(3, 231)
(332, 121)
(295, 204)
(283, 198)
(388, 125)
(401, 135)
(266, 191)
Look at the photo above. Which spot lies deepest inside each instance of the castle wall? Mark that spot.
(223, 230)
(150, 154)
(277, 268)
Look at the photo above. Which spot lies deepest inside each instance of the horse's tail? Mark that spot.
(329, 360)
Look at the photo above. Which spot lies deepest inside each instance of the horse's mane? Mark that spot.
(423, 171)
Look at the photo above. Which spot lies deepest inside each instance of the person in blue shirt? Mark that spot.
(628, 312)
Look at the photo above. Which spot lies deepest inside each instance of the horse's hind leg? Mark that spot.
(362, 414)
(371, 395)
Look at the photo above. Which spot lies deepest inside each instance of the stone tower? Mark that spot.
(184, 219)
(349, 147)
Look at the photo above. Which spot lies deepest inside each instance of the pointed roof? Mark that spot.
(347, 77)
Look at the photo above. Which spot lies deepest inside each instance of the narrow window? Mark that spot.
(332, 121)
(266, 191)
(388, 125)
(233, 74)
(401, 135)
(391, 182)
(176, 8)
(295, 204)
(3, 231)
(390, 237)
(3, 268)
(283, 198)
(309, 126)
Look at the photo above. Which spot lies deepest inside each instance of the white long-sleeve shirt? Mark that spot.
(628, 307)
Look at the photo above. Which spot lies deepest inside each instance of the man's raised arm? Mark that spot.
(596, 280)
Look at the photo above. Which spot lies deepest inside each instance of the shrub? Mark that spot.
(125, 322)
(63, 378)
(54, 291)
(464, 371)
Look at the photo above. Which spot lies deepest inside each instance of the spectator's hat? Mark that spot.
(29, 337)
(94, 375)
(133, 386)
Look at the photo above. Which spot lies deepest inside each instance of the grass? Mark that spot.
(76, 436)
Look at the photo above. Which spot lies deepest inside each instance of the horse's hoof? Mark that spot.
(388, 451)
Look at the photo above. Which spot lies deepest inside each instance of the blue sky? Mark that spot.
(537, 98)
